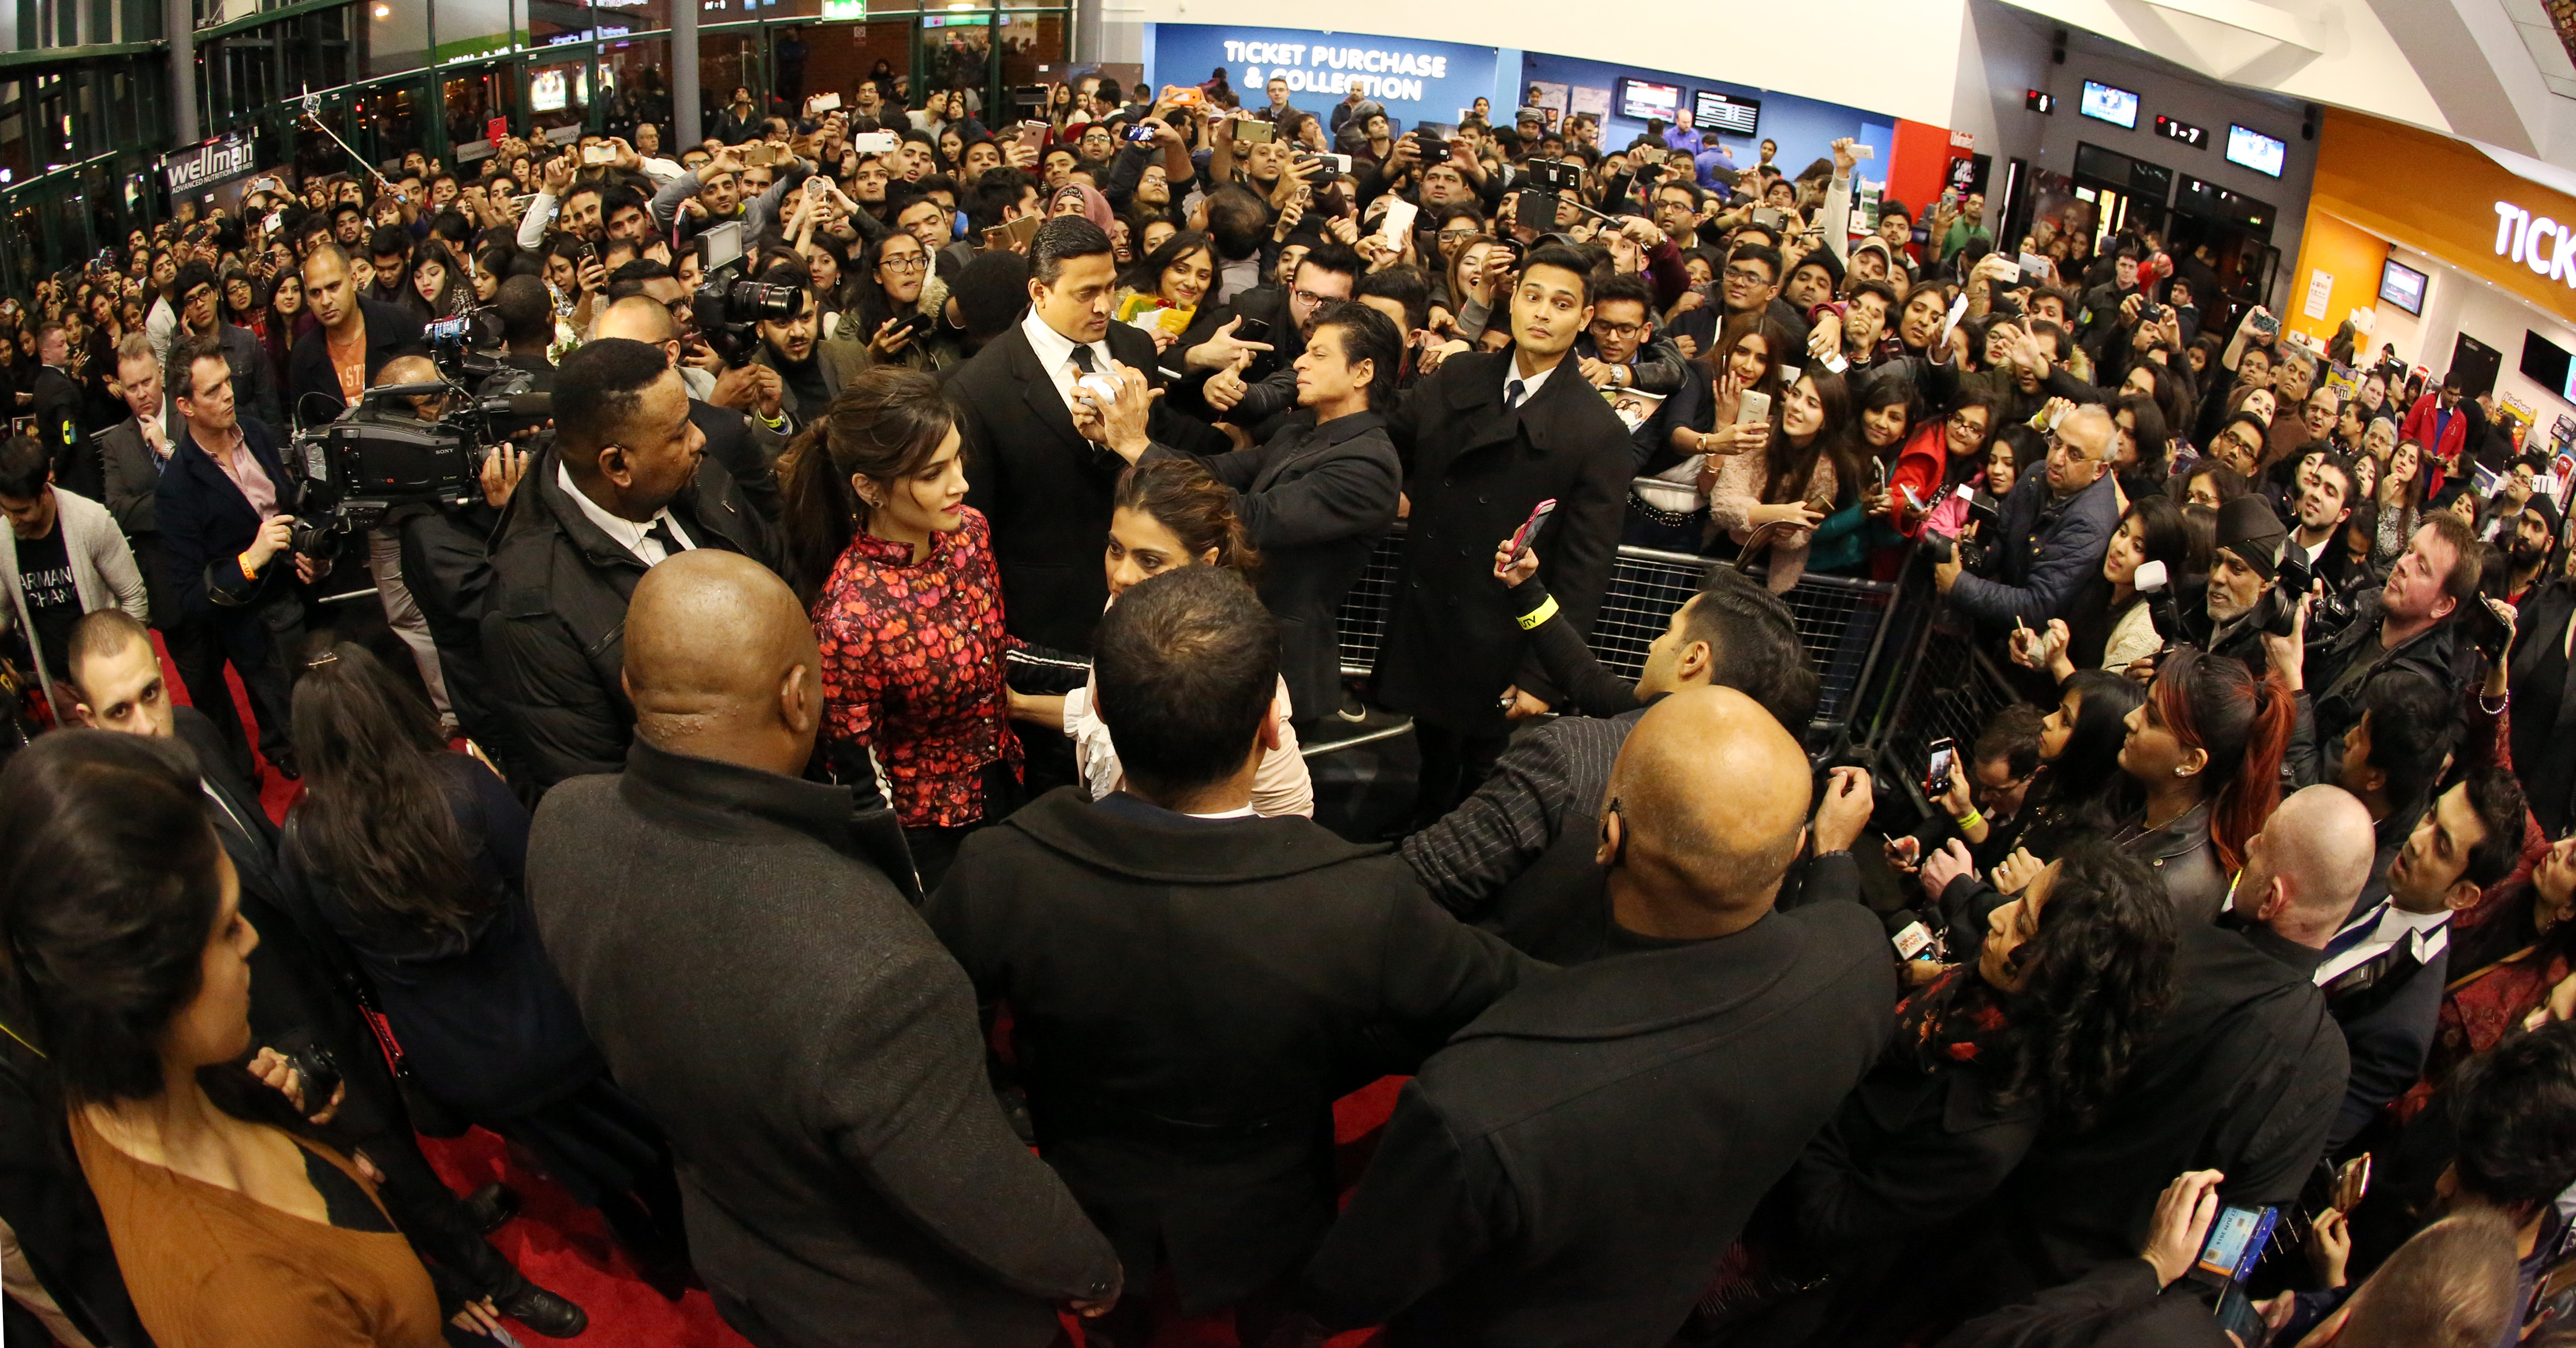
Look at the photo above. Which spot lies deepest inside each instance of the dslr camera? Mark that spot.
(1975, 552)
(728, 307)
(406, 445)
(2277, 612)
(462, 347)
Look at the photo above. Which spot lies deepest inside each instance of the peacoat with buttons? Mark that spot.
(1474, 470)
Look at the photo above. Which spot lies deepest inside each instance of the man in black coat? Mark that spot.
(332, 364)
(1319, 495)
(1194, 986)
(1484, 441)
(748, 457)
(58, 414)
(1572, 1165)
(626, 485)
(746, 956)
(224, 543)
(1043, 486)
(2243, 1074)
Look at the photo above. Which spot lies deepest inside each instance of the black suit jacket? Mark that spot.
(554, 634)
(1570, 1167)
(206, 523)
(1045, 488)
(1474, 472)
(313, 386)
(1190, 997)
(848, 1177)
(729, 443)
(58, 428)
(1314, 500)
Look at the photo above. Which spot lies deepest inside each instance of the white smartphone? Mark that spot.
(822, 103)
(875, 142)
(1862, 151)
(1398, 224)
(1752, 405)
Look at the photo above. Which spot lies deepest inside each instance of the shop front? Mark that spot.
(2448, 260)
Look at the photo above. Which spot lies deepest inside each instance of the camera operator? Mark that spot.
(2243, 568)
(2405, 624)
(332, 364)
(222, 504)
(2056, 526)
(625, 485)
(810, 369)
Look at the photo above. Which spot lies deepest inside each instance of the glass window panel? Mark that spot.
(635, 89)
(475, 96)
(471, 28)
(1029, 41)
(396, 35)
(729, 64)
(956, 53)
(559, 94)
(553, 23)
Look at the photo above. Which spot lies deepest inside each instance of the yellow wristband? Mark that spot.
(243, 561)
(1530, 621)
(1972, 818)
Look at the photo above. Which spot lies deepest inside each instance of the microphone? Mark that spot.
(1906, 932)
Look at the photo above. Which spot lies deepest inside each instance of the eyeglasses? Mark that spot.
(915, 262)
(1748, 276)
(1308, 299)
(1623, 331)
(1972, 425)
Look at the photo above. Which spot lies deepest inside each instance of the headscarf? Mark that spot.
(1095, 207)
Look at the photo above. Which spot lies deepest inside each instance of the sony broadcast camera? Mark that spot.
(729, 308)
(406, 445)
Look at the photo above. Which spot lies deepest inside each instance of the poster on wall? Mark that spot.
(1589, 100)
(2320, 294)
(1415, 81)
(2056, 212)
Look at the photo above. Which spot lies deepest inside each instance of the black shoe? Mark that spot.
(491, 1207)
(544, 1313)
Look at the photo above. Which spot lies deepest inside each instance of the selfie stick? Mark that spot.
(313, 118)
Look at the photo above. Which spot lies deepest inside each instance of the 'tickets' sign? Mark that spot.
(202, 166)
(2546, 246)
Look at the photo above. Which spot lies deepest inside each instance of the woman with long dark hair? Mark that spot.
(2031, 1032)
(1175, 276)
(287, 320)
(1796, 481)
(1167, 514)
(894, 285)
(1745, 356)
(234, 1221)
(439, 287)
(2080, 789)
(415, 857)
(898, 573)
(1885, 413)
(1924, 468)
(2112, 624)
(2400, 499)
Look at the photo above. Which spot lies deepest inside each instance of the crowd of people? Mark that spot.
(833, 789)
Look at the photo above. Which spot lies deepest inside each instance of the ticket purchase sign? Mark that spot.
(1416, 81)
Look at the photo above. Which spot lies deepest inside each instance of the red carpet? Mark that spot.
(566, 1248)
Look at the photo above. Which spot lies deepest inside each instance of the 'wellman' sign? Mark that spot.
(201, 166)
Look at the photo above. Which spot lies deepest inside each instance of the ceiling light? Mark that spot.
(384, 11)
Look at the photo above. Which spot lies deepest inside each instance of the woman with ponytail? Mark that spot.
(897, 572)
(2205, 749)
(1167, 514)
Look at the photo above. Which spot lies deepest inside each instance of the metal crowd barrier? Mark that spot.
(1841, 620)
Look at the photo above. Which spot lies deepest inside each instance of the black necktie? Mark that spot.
(661, 533)
(1082, 359)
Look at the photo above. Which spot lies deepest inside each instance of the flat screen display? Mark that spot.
(1734, 116)
(1641, 101)
(2545, 362)
(2117, 106)
(2254, 150)
(2402, 286)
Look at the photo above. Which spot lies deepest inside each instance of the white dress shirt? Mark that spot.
(1530, 383)
(2387, 925)
(1055, 352)
(635, 538)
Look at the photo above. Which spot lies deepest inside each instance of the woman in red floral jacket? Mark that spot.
(898, 574)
